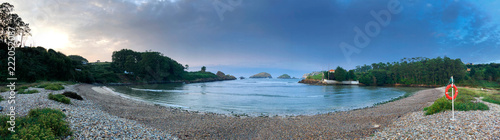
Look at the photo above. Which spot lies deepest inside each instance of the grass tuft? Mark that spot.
(26, 91)
(59, 98)
(52, 86)
(465, 101)
(493, 98)
(39, 124)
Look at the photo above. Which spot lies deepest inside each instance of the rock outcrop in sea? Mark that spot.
(262, 75)
(223, 76)
(284, 76)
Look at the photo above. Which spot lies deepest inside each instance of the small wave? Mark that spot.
(172, 105)
(159, 90)
(265, 95)
(262, 95)
(142, 100)
(315, 96)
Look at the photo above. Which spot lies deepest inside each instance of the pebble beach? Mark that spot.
(85, 117)
(467, 125)
(107, 115)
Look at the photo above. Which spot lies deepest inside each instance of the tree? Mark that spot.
(186, 66)
(125, 60)
(147, 66)
(340, 74)
(11, 23)
(203, 69)
(352, 76)
(153, 66)
(490, 73)
(366, 79)
(380, 77)
(78, 60)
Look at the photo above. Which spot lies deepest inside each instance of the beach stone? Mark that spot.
(86, 119)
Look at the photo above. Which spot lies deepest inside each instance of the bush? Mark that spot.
(72, 95)
(59, 98)
(1, 98)
(30, 132)
(463, 102)
(39, 124)
(25, 91)
(52, 86)
(198, 75)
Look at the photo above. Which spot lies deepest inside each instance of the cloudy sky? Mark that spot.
(244, 37)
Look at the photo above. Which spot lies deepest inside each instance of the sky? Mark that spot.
(245, 37)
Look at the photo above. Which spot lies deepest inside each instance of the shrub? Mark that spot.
(39, 124)
(25, 91)
(198, 75)
(1, 98)
(463, 102)
(59, 98)
(30, 132)
(72, 95)
(51, 118)
(52, 86)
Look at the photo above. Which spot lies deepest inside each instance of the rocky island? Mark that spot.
(284, 76)
(262, 75)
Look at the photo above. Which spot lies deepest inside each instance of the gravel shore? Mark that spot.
(105, 115)
(194, 125)
(84, 117)
(468, 125)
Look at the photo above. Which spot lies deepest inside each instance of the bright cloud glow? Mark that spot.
(52, 39)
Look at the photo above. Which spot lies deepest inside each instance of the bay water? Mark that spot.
(256, 97)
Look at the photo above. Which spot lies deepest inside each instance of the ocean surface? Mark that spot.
(262, 96)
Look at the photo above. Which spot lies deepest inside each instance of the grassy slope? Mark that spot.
(316, 77)
(465, 101)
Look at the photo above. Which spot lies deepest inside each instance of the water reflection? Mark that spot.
(268, 96)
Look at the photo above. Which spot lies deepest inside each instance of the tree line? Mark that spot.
(39, 64)
(420, 71)
(425, 71)
(148, 66)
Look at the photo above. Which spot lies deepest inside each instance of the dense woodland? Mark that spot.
(421, 71)
(38, 64)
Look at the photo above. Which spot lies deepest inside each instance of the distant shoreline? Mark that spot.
(318, 82)
(164, 82)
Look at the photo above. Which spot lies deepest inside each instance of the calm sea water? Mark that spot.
(262, 96)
